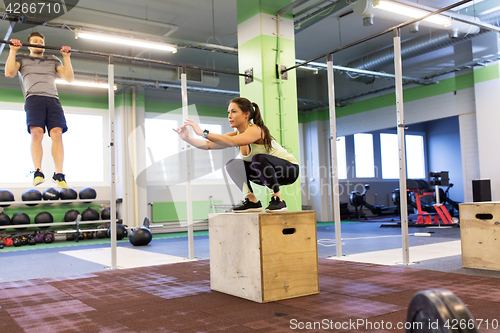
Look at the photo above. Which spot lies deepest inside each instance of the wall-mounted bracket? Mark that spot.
(249, 76)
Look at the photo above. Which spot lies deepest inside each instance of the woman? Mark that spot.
(264, 161)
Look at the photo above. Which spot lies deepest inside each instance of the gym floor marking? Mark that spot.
(417, 254)
(126, 258)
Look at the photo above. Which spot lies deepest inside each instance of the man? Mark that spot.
(42, 106)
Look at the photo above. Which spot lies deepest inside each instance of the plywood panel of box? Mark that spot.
(235, 255)
(480, 235)
(289, 255)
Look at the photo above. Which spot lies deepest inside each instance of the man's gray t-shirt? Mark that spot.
(38, 75)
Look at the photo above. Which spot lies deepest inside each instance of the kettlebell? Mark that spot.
(48, 238)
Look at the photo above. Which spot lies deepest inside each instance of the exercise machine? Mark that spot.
(358, 200)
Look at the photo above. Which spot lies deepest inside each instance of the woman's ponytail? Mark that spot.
(255, 115)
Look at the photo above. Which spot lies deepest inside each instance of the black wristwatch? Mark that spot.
(205, 133)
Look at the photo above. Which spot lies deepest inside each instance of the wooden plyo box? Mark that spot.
(264, 257)
(480, 235)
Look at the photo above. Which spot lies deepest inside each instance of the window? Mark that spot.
(162, 150)
(363, 155)
(389, 155)
(415, 163)
(341, 158)
(415, 159)
(208, 163)
(16, 158)
(83, 149)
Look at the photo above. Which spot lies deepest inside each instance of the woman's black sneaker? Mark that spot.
(247, 207)
(275, 205)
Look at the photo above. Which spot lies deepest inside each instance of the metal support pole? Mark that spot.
(188, 168)
(112, 196)
(333, 162)
(401, 145)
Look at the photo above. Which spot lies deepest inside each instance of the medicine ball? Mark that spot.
(121, 231)
(140, 236)
(71, 215)
(68, 194)
(6, 195)
(87, 193)
(106, 214)
(20, 218)
(32, 195)
(50, 194)
(90, 214)
(44, 217)
(4, 219)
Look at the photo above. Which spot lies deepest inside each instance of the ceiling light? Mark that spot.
(126, 41)
(490, 11)
(400, 8)
(404, 11)
(85, 84)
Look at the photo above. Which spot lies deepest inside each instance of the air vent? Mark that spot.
(193, 75)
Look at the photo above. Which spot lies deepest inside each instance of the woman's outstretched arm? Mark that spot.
(183, 132)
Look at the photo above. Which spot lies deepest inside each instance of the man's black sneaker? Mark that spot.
(247, 207)
(39, 178)
(275, 205)
(58, 178)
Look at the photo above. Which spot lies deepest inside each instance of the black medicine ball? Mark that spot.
(6, 195)
(44, 217)
(140, 236)
(68, 194)
(87, 193)
(121, 231)
(50, 194)
(20, 218)
(4, 219)
(90, 214)
(32, 195)
(71, 215)
(106, 214)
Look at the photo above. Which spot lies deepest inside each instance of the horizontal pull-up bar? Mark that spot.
(401, 25)
(118, 56)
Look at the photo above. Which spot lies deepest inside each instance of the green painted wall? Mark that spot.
(271, 94)
(83, 101)
(452, 84)
(177, 211)
(249, 8)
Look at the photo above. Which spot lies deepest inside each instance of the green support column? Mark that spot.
(264, 41)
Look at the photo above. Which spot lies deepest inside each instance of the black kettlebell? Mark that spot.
(70, 237)
(48, 238)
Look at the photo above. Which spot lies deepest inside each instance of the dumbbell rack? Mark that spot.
(51, 203)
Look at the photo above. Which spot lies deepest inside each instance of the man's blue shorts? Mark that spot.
(43, 111)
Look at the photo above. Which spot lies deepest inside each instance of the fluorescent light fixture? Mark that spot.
(490, 10)
(402, 9)
(126, 41)
(465, 5)
(85, 84)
